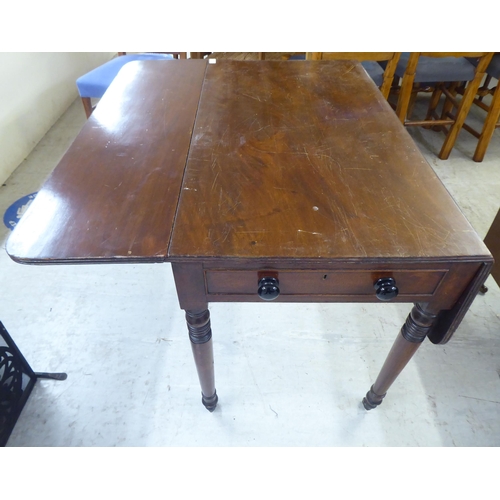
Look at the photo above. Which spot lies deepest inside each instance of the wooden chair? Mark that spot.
(94, 83)
(491, 121)
(445, 72)
(370, 61)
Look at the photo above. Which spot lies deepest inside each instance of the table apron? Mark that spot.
(322, 285)
(440, 284)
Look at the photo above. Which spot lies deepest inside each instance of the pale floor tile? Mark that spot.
(286, 374)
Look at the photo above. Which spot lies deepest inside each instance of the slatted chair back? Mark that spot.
(445, 71)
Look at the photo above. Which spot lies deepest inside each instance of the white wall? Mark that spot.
(36, 88)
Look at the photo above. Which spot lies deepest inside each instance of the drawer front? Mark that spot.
(329, 283)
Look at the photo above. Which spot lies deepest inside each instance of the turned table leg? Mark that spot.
(200, 335)
(409, 339)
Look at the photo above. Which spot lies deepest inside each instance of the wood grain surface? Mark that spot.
(305, 159)
(113, 196)
(287, 160)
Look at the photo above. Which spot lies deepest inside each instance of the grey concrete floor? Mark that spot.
(290, 375)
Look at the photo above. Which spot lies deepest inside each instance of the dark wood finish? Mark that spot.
(492, 241)
(200, 335)
(190, 284)
(413, 284)
(113, 196)
(450, 318)
(296, 170)
(281, 165)
(284, 174)
(412, 334)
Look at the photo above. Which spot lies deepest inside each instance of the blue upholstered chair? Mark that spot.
(371, 62)
(96, 82)
(445, 72)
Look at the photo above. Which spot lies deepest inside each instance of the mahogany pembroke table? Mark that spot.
(291, 181)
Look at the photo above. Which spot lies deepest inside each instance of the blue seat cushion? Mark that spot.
(96, 82)
(438, 69)
(375, 71)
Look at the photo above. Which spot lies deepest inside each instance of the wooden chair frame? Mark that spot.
(491, 121)
(392, 59)
(454, 121)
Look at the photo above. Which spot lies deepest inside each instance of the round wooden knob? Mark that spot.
(386, 289)
(268, 288)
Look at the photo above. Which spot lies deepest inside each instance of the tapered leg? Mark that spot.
(407, 342)
(489, 126)
(200, 335)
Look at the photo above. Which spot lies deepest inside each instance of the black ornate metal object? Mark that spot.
(17, 380)
(268, 288)
(386, 289)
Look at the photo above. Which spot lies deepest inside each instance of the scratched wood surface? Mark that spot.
(305, 159)
(113, 195)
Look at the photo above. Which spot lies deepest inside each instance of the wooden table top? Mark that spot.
(291, 159)
(305, 159)
(113, 196)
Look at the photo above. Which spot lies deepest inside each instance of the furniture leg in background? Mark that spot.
(17, 380)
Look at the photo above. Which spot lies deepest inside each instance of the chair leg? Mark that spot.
(448, 103)
(87, 106)
(407, 87)
(489, 126)
(462, 112)
(404, 98)
(431, 110)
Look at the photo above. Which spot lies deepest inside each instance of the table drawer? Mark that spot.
(334, 283)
